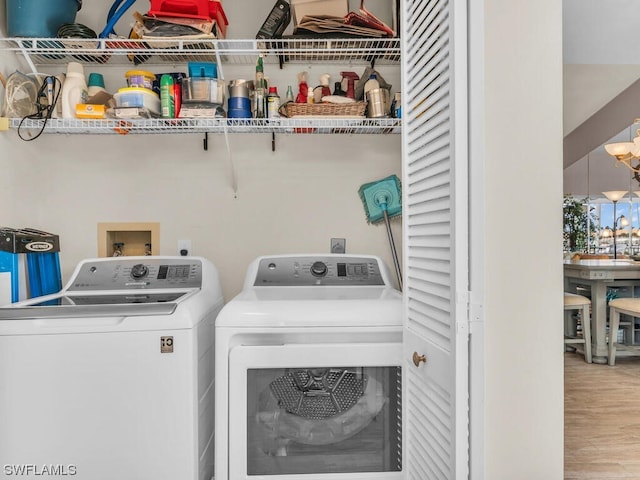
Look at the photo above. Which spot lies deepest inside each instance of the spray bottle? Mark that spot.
(350, 78)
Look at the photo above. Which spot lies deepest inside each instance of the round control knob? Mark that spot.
(319, 269)
(139, 271)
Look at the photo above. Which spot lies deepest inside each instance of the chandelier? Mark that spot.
(627, 153)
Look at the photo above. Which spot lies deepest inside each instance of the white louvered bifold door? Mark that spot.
(435, 223)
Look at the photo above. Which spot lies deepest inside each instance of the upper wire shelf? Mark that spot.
(53, 51)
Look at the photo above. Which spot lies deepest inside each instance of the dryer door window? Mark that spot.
(311, 410)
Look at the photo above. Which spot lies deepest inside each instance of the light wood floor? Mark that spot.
(602, 419)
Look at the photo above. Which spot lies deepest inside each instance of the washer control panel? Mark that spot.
(121, 273)
(318, 270)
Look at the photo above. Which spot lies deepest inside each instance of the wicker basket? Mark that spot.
(291, 109)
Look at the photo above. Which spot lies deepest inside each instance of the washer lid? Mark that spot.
(319, 293)
(313, 306)
(128, 304)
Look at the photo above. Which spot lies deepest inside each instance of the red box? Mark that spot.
(204, 9)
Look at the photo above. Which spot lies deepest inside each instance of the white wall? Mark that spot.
(523, 250)
(598, 171)
(293, 200)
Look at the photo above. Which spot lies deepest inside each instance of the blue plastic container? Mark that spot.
(202, 69)
(239, 113)
(239, 103)
(239, 107)
(39, 18)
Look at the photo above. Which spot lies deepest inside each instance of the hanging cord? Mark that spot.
(49, 90)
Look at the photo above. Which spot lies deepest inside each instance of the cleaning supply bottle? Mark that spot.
(303, 88)
(371, 84)
(289, 96)
(322, 90)
(350, 78)
(74, 90)
(260, 97)
(324, 81)
(96, 84)
(260, 100)
(337, 90)
(167, 101)
(273, 103)
(396, 106)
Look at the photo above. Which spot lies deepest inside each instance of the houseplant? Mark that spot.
(579, 222)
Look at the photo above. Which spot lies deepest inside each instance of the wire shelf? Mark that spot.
(53, 51)
(211, 125)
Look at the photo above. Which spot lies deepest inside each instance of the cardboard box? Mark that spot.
(88, 110)
(336, 8)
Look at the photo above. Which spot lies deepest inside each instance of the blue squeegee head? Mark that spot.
(379, 196)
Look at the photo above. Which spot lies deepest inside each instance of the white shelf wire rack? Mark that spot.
(111, 52)
(54, 51)
(289, 126)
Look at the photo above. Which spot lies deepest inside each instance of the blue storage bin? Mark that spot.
(39, 18)
(202, 69)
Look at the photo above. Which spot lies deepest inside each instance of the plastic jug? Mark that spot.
(371, 84)
(74, 90)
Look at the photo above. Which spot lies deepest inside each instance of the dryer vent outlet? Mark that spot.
(184, 248)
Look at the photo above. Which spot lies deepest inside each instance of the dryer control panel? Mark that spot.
(122, 273)
(319, 270)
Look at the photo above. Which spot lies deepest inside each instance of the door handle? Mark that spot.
(418, 359)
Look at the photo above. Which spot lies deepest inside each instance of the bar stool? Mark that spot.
(628, 306)
(573, 302)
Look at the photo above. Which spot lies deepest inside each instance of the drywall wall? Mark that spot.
(291, 200)
(523, 251)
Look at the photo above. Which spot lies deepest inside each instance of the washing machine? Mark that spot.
(308, 372)
(112, 377)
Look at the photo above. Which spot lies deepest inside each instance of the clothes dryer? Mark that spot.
(308, 376)
(112, 377)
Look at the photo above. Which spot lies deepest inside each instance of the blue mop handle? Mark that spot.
(382, 202)
(394, 253)
(114, 15)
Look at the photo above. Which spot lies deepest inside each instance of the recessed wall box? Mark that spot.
(132, 238)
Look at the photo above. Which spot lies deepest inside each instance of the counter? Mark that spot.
(599, 275)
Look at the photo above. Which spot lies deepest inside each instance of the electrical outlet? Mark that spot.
(184, 248)
(338, 245)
